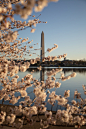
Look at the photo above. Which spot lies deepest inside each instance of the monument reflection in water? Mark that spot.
(42, 75)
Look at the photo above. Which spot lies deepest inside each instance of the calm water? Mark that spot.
(71, 84)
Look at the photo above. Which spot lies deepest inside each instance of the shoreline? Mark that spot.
(59, 66)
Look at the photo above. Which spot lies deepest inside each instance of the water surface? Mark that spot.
(71, 84)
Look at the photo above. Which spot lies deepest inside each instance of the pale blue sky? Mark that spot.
(66, 26)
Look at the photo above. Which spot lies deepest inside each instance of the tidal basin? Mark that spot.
(71, 84)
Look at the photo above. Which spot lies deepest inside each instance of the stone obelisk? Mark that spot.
(42, 55)
(42, 47)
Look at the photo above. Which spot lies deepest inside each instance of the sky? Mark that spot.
(66, 27)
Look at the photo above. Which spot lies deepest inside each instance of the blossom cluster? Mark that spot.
(23, 8)
(63, 78)
(51, 49)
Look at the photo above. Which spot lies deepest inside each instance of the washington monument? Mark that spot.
(42, 47)
(42, 55)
